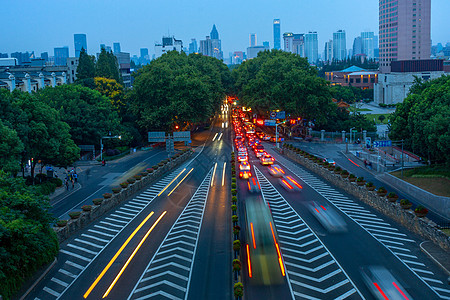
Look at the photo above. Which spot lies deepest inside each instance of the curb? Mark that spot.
(39, 279)
(434, 259)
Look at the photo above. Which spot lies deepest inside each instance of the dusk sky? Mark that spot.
(42, 25)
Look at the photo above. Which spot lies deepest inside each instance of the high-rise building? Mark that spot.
(3, 55)
(367, 45)
(266, 44)
(80, 42)
(102, 46)
(108, 49)
(214, 35)
(61, 55)
(237, 57)
(404, 31)
(276, 34)
(357, 46)
(252, 40)
(328, 53)
(116, 47)
(206, 46)
(339, 45)
(23, 57)
(311, 47)
(193, 48)
(216, 44)
(44, 56)
(288, 41)
(168, 44)
(252, 52)
(144, 57)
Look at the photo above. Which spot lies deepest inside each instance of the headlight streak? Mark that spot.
(180, 182)
(223, 173)
(160, 193)
(214, 173)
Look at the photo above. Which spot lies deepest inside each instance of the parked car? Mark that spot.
(330, 161)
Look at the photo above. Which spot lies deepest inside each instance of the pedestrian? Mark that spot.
(75, 176)
(66, 182)
(73, 184)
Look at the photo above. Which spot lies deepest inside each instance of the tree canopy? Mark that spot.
(89, 114)
(107, 66)
(86, 66)
(178, 89)
(10, 149)
(423, 120)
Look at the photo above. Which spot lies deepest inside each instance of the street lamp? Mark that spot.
(107, 137)
(351, 134)
(276, 131)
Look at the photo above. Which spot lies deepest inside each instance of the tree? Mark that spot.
(422, 120)
(89, 114)
(107, 66)
(86, 66)
(26, 239)
(381, 118)
(10, 149)
(111, 89)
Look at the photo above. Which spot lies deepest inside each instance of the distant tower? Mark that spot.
(80, 42)
(253, 40)
(311, 47)
(116, 48)
(214, 33)
(339, 45)
(276, 34)
(367, 44)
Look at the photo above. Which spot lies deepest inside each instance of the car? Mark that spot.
(245, 174)
(273, 139)
(266, 138)
(330, 161)
(290, 184)
(242, 158)
(259, 153)
(253, 185)
(276, 171)
(244, 166)
(382, 284)
(266, 159)
(328, 217)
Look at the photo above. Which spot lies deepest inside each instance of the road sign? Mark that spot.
(270, 122)
(273, 115)
(156, 136)
(182, 136)
(368, 142)
(278, 115)
(378, 144)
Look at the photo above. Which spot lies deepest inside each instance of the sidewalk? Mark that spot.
(439, 256)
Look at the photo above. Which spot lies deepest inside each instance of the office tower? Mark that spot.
(339, 45)
(61, 55)
(206, 46)
(193, 48)
(288, 40)
(102, 46)
(298, 44)
(23, 57)
(252, 40)
(404, 31)
(144, 52)
(216, 44)
(108, 49)
(311, 47)
(266, 44)
(80, 42)
(44, 56)
(328, 53)
(116, 48)
(144, 57)
(367, 45)
(168, 44)
(357, 46)
(276, 34)
(3, 55)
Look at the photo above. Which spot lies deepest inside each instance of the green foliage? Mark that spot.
(86, 66)
(238, 289)
(75, 214)
(97, 201)
(335, 65)
(177, 89)
(26, 239)
(405, 202)
(10, 149)
(423, 120)
(89, 114)
(107, 66)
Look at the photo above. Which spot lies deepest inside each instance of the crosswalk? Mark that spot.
(398, 243)
(168, 274)
(79, 253)
(312, 271)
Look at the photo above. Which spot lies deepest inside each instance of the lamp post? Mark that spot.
(351, 134)
(107, 137)
(276, 132)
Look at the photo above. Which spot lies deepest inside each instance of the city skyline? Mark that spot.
(100, 29)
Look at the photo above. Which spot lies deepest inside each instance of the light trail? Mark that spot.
(180, 182)
(171, 182)
(214, 173)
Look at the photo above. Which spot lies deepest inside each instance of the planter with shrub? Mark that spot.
(392, 197)
(238, 290)
(131, 180)
(107, 195)
(405, 204)
(236, 265)
(61, 223)
(360, 181)
(74, 214)
(381, 191)
(421, 211)
(86, 207)
(97, 201)
(137, 177)
(337, 170)
(237, 245)
(352, 177)
(344, 173)
(234, 199)
(124, 185)
(116, 189)
(370, 186)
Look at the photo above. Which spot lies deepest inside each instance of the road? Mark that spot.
(173, 239)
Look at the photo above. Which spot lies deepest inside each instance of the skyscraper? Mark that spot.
(266, 44)
(80, 41)
(404, 31)
(206, 47)
(298, 44)
(214, 33)
(311, 47)
(193, 48)
(276, 34)
(357, 46)
(61, 55)
(288, 41)
(216, 44)
(367, 45)
(144, 58)
(116, 48)
(328, 51)
(339, 45)
(253, 40)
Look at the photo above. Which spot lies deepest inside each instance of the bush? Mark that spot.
(338, 169)
(344, 172)
(234, 207)
(351, 176)
(420, 209)
(149, 170)
(144, 173)
(161, 164)
(360, 179)
(381, 190)
(46, 188)
(236, 265)
(392, 195)
(86, 207)
(137, 177)
(131, 180)
(236, 245)
(234, 218)
(233, 179)
(236, 230)
(233, 185)
(238, 289)
(405, 202)
(61, 223)
(233, 192)
(116, 190)
(107, 195)
(58, 182)
(124, 185)
(234, 199)
(97, 201)
(155, 167)
(369, 184)
(74, 214)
